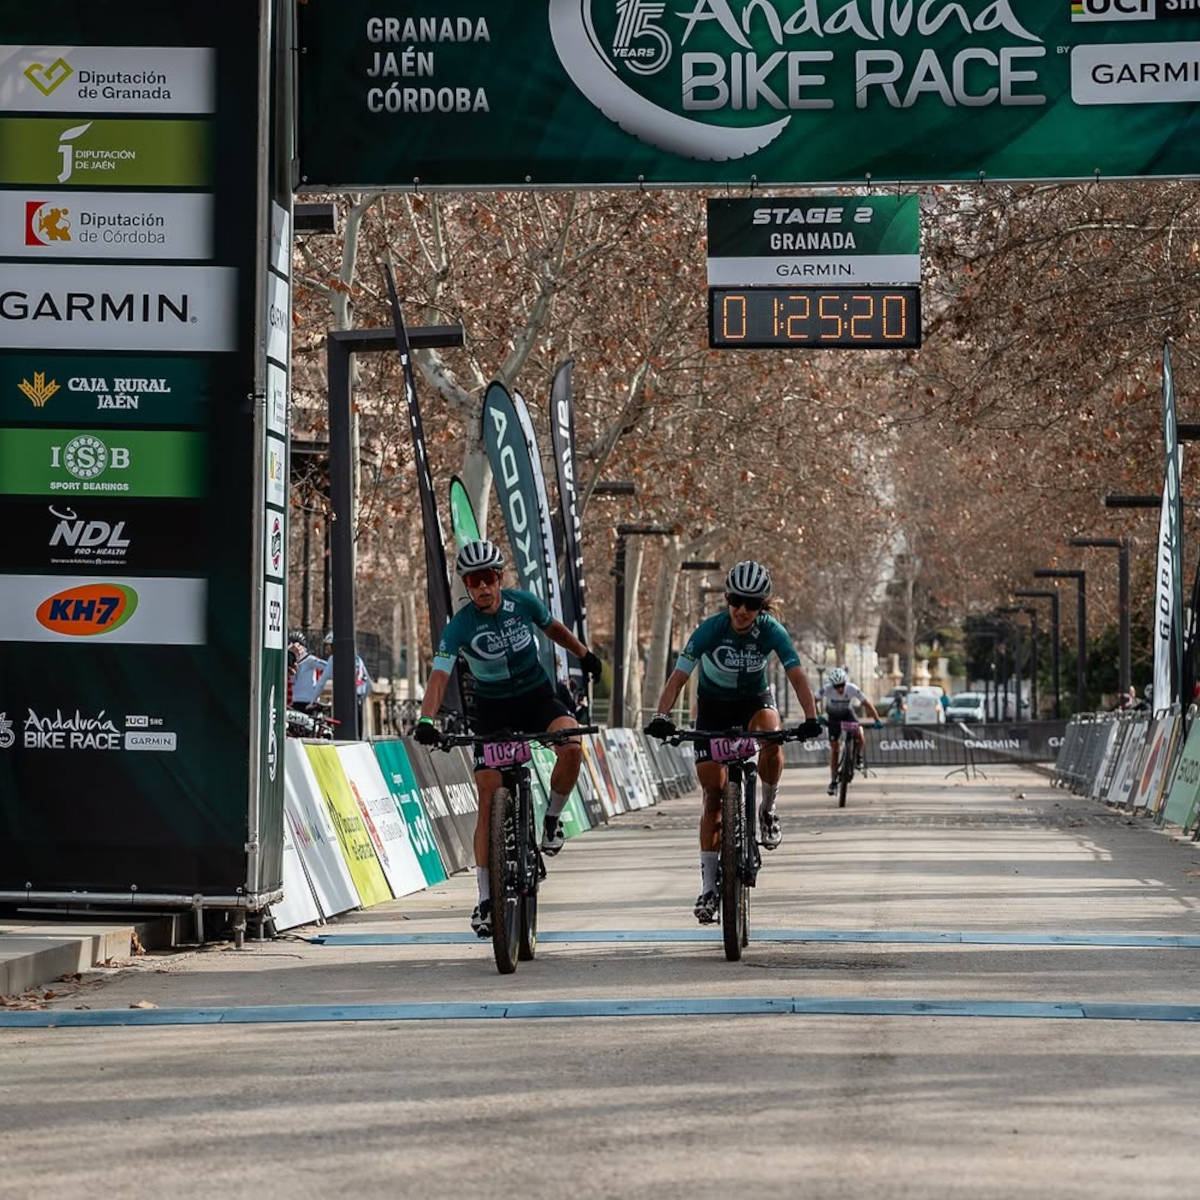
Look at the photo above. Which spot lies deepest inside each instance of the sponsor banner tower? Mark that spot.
(144, 322)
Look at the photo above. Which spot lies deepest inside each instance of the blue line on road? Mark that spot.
(529, 1010)
(1146, 940)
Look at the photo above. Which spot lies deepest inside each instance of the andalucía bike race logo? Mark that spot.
(719, 80)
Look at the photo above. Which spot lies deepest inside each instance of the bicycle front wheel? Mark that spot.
(529, 890)
(845, 774)
(735, 900)
(504, 881)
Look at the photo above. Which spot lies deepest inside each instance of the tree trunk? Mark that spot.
(661, 622)
(413, 636)
(633, 660)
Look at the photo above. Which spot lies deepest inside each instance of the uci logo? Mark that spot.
(89, 609)
(1112, 10)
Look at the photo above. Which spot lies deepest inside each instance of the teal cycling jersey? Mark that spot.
(500, 648)
(734, 665)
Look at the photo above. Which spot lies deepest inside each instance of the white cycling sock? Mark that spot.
(483, 882)
(709, 861)
(557, 803)
(769, 792)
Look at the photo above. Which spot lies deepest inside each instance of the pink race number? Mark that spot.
(730, 749)
(505, 754)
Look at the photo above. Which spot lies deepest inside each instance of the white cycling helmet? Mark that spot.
(837, 676)
(478, 556)
(748, 579)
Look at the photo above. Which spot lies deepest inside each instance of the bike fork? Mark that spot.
(751, 858)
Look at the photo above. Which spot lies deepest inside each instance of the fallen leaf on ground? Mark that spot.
(143, 1004)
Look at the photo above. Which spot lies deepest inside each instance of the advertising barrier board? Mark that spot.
(384, 821)
(398, 775)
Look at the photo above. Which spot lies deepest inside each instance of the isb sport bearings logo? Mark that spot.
(88, 610)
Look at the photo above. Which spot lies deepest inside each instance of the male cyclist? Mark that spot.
(495, 636)
(732, 648)
(839, 695)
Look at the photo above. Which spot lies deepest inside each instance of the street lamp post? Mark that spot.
(1016, 608)
(1121, 546)
(1052, 596)
(1080, 578)
(616, 711)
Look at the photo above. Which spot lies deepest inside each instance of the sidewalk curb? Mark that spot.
(36, 952)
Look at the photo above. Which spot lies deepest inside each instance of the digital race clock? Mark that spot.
(864, 318)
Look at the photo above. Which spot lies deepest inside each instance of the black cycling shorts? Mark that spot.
(528, 712)
(835, 723)
(713, 712)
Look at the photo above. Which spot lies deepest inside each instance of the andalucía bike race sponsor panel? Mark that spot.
(103, 533)
(143, 79)
(89, 390)
(780, 91)
(63, 307)
(54, 608)
(101, 462)
(47, 224)
(104, 153)
(131, 335)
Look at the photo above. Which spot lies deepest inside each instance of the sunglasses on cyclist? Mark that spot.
(749, 603)
(474, 579)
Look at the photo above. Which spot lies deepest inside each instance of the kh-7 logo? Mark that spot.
(87, 610)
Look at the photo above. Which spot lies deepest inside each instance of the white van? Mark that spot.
(924, 706)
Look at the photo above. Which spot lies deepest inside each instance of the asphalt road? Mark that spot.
(983, 988)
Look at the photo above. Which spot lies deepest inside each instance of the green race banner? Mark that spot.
(74, 462)
(462, 515)
(105, 153)
(542, 92)
(113, 390)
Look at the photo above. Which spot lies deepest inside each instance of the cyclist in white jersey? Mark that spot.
(840, 696)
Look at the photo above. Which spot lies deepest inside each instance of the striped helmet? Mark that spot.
(748, 579)
(476, 556)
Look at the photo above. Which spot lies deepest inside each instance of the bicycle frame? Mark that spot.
(846, 759)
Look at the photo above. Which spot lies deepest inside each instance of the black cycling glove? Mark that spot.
(426, 732)
(592, 666)
(810, 727)
(660, 727)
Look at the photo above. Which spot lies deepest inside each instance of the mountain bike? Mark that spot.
(848, 758)
(515, 863)
(741, 859)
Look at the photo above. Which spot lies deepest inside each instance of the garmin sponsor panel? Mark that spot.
(132, 609)
(61, 307)
(94, 462)
(103, 533)
(164, 225)
(105, 153)
(109, 79)
(90, 389)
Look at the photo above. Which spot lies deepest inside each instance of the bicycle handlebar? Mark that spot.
(777, 736)
(548, 737)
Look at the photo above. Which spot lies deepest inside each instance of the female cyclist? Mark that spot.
(731, 649)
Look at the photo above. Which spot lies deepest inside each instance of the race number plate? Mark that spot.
(505, 754)
(849, 726)
(729, 749)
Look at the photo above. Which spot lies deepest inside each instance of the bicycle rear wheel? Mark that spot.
(735, 902)
(503, 879)
(527, 947)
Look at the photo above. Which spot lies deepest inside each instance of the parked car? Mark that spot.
(967, 706)
(924, 706)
